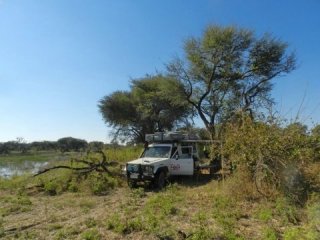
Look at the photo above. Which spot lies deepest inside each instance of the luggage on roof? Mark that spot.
(170, 136)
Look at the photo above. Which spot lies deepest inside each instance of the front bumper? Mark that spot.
(138, 173)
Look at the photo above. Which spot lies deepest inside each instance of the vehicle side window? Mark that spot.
(186, 152)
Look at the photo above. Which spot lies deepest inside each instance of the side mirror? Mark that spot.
(177, 156)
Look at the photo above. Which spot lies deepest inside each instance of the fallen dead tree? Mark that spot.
(88, 165)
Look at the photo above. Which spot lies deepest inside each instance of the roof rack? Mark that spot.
(170, 137)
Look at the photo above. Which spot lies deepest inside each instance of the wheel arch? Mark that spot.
(165, 169)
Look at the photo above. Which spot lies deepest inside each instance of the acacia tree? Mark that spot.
(229, 70)
(154, 103)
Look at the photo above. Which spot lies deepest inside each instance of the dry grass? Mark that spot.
(229, 209)
(65, 216)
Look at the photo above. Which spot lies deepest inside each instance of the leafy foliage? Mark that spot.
(68, 144)
(228, 70)
(154, 103)
(276, 157)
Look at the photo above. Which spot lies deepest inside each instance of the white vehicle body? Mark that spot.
(164, 158)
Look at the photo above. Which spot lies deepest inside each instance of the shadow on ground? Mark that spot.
(194, 181)
(188, 181)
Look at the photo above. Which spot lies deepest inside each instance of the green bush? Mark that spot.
(293, 233)
(56, 181)
(299, 232)
(265, 214)
(273, 155)
(116, 224)
(101, 184)
(92, 234)
(269, 234)
(73, 186)
(51, 187)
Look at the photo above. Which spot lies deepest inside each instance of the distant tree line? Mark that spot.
(66, 144)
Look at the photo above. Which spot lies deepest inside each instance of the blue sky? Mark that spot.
(59, 57)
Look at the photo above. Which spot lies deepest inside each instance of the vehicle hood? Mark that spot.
(147, 160)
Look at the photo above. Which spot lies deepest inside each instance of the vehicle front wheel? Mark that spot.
(132, 184)
(160, 180)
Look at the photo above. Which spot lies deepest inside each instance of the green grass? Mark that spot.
(269, 234)
(100, 206)
(92, 234)
(12, 205)
(32, 156)
(123, 154)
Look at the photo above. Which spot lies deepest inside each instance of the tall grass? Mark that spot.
(41, 156)
(123, 154)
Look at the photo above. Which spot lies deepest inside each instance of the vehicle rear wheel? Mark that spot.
(160, 180)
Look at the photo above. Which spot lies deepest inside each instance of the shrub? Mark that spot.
(51, 187)
(116, 224)
(273, 155)
(101, 184)
(269, 234)
(265, 214)
(92, 234)
(293, 234)
(73, 186)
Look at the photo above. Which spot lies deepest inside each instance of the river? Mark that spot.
(9, 169)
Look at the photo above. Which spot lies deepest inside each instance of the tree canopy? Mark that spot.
(68, 144)
(225, 73)
(229, 70)
(154, 103)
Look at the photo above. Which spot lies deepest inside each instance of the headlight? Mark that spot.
(147, 169)
(133, 168)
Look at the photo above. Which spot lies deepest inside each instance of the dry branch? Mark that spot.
(101, 166)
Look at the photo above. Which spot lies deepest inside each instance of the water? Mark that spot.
(9, 169)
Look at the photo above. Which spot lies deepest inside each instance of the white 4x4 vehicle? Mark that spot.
(169, 154)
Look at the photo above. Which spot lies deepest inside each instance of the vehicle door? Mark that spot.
(181, 161)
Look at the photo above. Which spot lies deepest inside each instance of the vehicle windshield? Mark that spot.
(157, 152)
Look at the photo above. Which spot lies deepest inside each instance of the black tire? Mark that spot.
(132, 184)
(160, 180)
